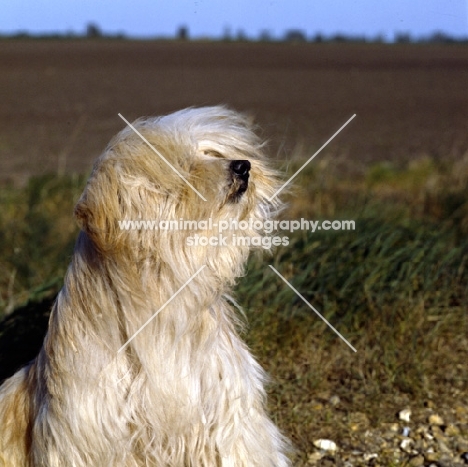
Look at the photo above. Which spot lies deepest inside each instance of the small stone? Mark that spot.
(405, 444)
(435, 419)
(314, 457)
(334, 400)
(390, 428)
(443, 447)
(462, 445)
(461, 412)
(369, 456)
(452, 430)
(404, 415)
(437, 432)
(325, 445)
(420, 445)
(447, 461)
(428, 436)
(432, 456)
(405, 431)
(417, 461)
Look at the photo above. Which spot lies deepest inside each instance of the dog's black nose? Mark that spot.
(241, 168)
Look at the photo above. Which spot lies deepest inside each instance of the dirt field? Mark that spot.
(60, 99)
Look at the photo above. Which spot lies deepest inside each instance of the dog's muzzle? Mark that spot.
(240, 171)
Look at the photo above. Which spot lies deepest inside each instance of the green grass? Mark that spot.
(395, 287)
(37, 235)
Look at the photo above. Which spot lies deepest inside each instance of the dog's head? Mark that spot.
(202, 166)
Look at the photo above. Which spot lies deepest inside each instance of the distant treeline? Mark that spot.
(296, 35)
(93, 31)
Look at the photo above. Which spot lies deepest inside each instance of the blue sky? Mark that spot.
(149, 18)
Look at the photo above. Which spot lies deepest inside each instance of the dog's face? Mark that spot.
(203, 165)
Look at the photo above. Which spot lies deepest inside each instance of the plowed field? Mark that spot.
(59, 100)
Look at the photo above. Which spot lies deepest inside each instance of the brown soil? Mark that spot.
(60, 99)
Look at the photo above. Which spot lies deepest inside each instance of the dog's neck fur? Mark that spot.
(184, 342)
(133, 293)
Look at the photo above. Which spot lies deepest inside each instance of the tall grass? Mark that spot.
(36, 237)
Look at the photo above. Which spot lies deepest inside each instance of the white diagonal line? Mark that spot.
(160, 309)
(162, 157)
(294, 176)
(313, 309)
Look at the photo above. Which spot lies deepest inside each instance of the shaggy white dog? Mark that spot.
(142, 364)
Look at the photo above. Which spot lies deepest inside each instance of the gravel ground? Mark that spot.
(430, 436)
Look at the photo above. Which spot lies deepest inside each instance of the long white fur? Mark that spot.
(185, 391)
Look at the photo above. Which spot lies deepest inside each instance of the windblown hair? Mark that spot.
(142, 364)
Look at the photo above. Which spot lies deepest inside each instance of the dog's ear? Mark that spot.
(98, 209)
